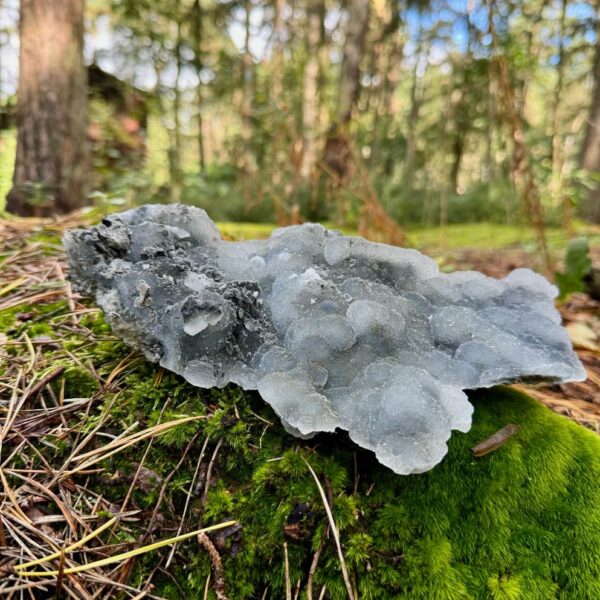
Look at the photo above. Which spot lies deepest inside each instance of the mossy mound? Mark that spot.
(522, 522)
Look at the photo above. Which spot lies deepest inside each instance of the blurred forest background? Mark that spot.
(380, 115)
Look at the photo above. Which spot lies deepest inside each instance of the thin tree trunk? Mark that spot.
(389, 107)
(356, 30)
(323, 71)
(388, 71)
(311, 92)
(337, 152)
(281, 190)
(458, 147)
(391, 73)
(522, 169)
(459, 102)
(489, 167)
(199, 96)
(531, 50)
(278, 52)
(177, 97)
(590, 151)
(175, 162)
(247, 92)
(413, 117)
(52, 162)
(556, 140)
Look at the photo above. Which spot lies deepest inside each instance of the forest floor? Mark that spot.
(54, 346)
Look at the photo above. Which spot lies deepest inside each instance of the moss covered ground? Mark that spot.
(522, 522)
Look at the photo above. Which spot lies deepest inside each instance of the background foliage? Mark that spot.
(241, 100)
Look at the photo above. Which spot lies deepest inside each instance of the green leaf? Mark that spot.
(577, 265)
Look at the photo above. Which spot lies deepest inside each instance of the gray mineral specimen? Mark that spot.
(333, 331)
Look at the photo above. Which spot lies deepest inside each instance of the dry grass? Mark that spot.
(49, 515)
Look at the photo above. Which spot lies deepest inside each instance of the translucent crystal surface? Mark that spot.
(333, 331)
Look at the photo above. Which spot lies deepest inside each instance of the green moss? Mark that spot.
(520, 523)
(79, 382)
(36, 319)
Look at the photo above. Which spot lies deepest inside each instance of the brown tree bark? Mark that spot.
(388, 69)
(590, 151)
(278, 45)
(197, 10)
(413, 118)
(336, 149)
(52, 163)
(175, 171)
(556, 140)
(522, 170)
(356, 31)
(488, 171)
(311, 91)
(248, 161)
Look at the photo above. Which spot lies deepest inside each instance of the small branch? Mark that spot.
(311, 573)
(495, 441)
(40, 385)
(208, 476)
(215, 559)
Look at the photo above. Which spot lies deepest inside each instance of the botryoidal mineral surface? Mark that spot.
(333, 331)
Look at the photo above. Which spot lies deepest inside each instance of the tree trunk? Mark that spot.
(458, 148)
(52, 163)
(175, 171)
(324, 70)
(413, 117)
(278, 44)
(556, 138)
(522, 169)
(488, 172)
(354, 43)
(248, 163)
(336, 150)
(590, 151)
(388, 71)
(198, 64)
(311, 92)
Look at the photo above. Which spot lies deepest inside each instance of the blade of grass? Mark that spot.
(78, 544)
(126, 555)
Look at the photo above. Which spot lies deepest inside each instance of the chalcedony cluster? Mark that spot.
(333, 331)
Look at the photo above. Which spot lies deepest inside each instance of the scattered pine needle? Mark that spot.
(14, 284)
(70, 548)
(336, 535)
(100, 454)
(126, 555)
